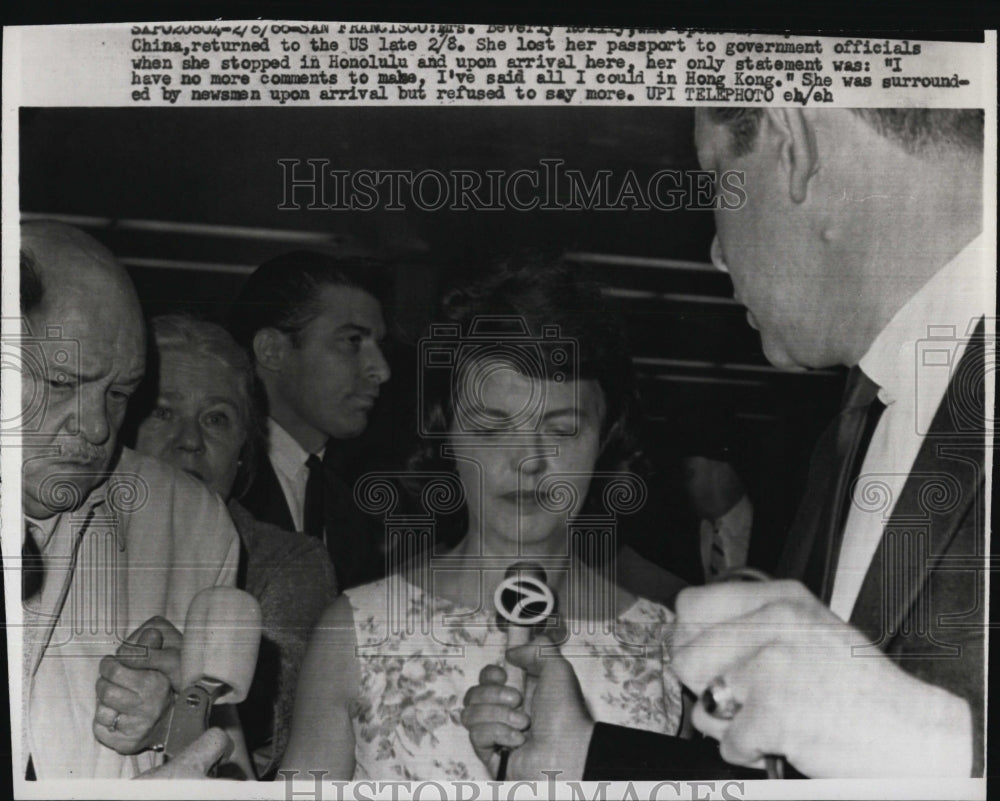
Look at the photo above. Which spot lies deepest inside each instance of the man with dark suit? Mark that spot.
(313, 326)
(859, 244)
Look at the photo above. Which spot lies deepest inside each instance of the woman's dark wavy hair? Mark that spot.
(532, 292)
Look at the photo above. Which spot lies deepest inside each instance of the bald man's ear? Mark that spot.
(796, 148)
(269, 348)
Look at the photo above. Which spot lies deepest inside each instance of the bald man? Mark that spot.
(116, 545)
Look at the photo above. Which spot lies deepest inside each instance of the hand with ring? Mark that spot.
(136, 688)
(777, 672)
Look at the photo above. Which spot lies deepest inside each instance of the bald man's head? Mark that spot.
(68, 267)
(84, 356)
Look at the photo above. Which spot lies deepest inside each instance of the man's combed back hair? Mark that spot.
(32, 288)
(915, 130)
(284, 292)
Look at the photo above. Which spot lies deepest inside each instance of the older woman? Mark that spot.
(204, 420)
(531, 421)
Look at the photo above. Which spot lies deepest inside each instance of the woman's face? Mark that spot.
(196, 425)
(525, 450)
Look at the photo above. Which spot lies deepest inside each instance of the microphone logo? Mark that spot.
(524, 600)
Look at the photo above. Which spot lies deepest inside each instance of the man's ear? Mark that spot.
(797, 151)
(269, 348)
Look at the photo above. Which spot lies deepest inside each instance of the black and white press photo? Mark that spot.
(472, 410)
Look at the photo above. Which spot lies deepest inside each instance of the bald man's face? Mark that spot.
(88, 347)
(769, 248)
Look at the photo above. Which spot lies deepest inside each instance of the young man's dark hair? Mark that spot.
(283, 293)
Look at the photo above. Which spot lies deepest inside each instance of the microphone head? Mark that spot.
(524, 598)
(221, 640)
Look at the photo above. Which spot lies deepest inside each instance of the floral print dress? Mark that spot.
(419, 654)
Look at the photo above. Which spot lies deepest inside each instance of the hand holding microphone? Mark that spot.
(213, 661)
(136, 686)
(517, 733)
(221, 639)
(524, 603)
(498, 711)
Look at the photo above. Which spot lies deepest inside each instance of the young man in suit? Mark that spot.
(313, 326)
(859, 244)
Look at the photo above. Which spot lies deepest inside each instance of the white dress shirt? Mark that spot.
(288, 459)
(911, 360)
(730, 535)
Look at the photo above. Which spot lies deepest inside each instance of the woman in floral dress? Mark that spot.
(528, 409)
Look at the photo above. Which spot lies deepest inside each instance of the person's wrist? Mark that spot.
(581, 752)
(930, 732)
(926, 731)
(572, 754)
(947, 745)
(562, 756)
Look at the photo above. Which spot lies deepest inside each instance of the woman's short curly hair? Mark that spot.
(533, 296)
(183, 332)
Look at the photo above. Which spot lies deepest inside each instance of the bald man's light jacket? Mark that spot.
(144, 543)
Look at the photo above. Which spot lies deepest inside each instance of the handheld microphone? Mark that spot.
(524, 602)
(218, 659)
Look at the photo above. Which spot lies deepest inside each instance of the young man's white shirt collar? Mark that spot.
(288, 459)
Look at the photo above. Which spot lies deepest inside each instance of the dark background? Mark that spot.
(188, 199)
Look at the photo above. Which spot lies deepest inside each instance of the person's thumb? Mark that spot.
(197, 759)
(145, 650)
(140, 644)
(211, 747)
(151, 638)
(170, 637)
(532, 658)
